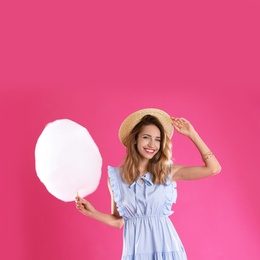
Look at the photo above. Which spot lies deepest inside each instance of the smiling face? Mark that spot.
(148, 141)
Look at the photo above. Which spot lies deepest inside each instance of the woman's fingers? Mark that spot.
(79, 202)
(177, 122)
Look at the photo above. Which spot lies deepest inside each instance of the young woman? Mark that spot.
(143, 188)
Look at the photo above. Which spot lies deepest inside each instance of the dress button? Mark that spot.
(145, 175)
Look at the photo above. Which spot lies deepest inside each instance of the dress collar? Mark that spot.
(146, 179)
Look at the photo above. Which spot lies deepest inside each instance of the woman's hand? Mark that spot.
(87, 209)
(211, 164)
(84, 206)
(183, 126)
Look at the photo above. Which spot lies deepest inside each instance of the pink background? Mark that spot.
(95, 62)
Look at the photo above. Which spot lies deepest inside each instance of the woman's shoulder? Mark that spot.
(113, 171)
(171, 176)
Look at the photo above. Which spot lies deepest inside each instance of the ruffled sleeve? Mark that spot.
(170, 196)
(114, 178)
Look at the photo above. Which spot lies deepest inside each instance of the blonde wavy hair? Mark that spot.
(159, 166)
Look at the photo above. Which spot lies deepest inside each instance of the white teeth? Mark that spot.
(150, 151)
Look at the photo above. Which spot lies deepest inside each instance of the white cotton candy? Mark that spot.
(67, 160)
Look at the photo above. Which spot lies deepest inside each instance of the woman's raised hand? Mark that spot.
(182, 126)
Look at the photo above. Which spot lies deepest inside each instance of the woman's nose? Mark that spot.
(151, 143)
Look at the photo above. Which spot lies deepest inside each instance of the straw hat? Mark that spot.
(133, 119)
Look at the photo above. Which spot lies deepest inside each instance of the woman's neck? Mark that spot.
(143, 167)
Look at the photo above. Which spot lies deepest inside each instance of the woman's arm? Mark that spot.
(113, 219)
(211, 165)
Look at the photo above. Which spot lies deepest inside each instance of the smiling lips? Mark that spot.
(150, 151)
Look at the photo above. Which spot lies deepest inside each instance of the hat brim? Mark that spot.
(133, 119)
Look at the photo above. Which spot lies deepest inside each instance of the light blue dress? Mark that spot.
(145, 207)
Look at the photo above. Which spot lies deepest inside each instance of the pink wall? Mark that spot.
(94, 63)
